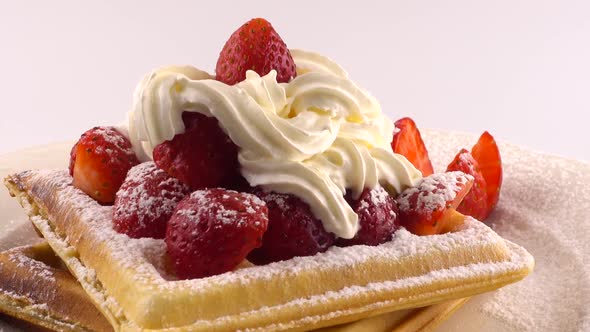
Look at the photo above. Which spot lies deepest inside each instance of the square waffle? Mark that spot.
(36, 287)
(127, 280)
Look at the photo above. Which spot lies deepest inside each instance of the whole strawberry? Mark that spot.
(146, 201)
(201, 157)
(211, 231)
(254, 46)
(99, 163)
(378, 218)
(292, 230)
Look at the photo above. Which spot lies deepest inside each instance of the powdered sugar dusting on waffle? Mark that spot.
(38, 268)
(544, 207)
(146, 257)
(144, 254)
(433, 192)
(517, 260)
(132, 251)
(480, 270)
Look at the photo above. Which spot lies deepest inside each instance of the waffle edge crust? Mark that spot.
(35, 288)
(127, 280)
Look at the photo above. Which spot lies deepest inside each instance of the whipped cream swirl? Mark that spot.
(314, 137)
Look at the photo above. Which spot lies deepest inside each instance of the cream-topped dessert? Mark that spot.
(278, 155)
(314, 137)
(276, 188)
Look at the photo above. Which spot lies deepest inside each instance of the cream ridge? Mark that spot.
(314, 137)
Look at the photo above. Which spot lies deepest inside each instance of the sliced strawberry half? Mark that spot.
(100, 161)
(428, 208)
(254, 46)
(487, 155)
(475, 203)
(408, 142)
(485, 165)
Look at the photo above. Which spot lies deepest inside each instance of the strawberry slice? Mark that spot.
(408, 142)
(487, 154)
(475, 203)
(100, 161)
(428, 208)
(485, 165)
(254, 46)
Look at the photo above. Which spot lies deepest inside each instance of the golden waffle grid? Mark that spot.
(302, 293)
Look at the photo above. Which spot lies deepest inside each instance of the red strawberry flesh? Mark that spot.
(487, 155)
(408, 142)
(100, 161)
(422, 208)
(475, 202)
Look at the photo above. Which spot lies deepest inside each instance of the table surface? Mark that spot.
(518, 69)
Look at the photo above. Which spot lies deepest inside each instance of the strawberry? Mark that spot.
(377, 212)
(211, 231)
(487, 154)
(254, 46)
(100, 161)
(485, 164)
(475, 203)
(424, 209)
(146, 201)
(408, 142)
(201, 157)
(292, 230)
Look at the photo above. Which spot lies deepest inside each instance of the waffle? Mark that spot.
(127, 280)
(28, 272)
(35, 287)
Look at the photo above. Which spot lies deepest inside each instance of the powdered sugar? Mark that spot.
(137, 200)
(38, 268)
(146, 257)
(113, 139)
(433, 192)
(544, 206)
(204, 203)
(378, 196)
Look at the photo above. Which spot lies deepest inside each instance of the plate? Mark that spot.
(544, 206)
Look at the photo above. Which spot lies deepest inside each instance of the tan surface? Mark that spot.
(142, 298)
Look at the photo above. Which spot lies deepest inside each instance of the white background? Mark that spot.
(520, 69)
